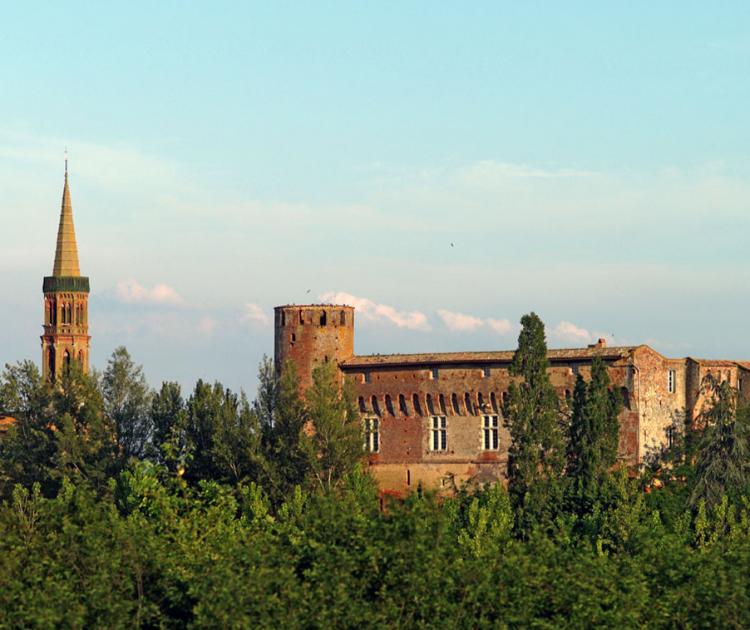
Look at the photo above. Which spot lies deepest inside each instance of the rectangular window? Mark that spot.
(486, 372)
(490, 437)
(366, 377)
(434, 374)
(372, 434)
(671, 381)
(439, 433)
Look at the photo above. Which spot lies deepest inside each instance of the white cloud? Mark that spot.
(490, 172)
(254, 315)
(568, 332)
(206, 325)
(374, 312)
(116, 165)
(131, 291)
(500, 326)
(460, 321)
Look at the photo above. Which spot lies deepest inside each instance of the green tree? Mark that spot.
(27, 448)
(86, 446)
(127, 401)
(536, 456)
(722, 465)
(282, 414)
(222, 435)
(169, 419)
(594, 435)
(334, 443)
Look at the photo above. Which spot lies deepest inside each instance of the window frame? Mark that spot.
(438, 433)
(490, 432)
(371, 434)
(671, 381)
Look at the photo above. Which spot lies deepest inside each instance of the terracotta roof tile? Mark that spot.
(498, 356)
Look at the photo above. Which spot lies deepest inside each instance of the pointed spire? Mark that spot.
(66, 254)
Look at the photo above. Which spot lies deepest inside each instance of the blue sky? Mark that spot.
(587, 161)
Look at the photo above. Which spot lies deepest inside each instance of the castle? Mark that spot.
(435, 418)
(432, 418)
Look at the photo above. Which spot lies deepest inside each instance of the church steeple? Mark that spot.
(66, 252)
(66, 339)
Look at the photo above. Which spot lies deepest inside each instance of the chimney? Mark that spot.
(600, 343)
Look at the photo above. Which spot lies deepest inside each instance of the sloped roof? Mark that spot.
(66, 252)
(498, 356)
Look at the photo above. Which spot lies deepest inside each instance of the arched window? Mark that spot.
(66, 362)
(362, 404)
(70, 312)
(375, 405)
(389, 405)
(51, 363)
(493, 401)
(454, 404)
(417, 405)
(323, 318)
(283, 318)
(80, 358)
(402, 405)
(469, 406)
(441, 401)
(481, 400)
(343, 318)
(430, 406)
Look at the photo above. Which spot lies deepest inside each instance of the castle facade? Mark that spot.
(435, 418)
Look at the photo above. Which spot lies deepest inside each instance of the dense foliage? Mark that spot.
(124, 507)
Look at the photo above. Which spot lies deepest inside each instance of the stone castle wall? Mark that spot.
(405, 392)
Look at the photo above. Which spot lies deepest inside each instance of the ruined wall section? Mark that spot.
(662, 390)
(311, 335)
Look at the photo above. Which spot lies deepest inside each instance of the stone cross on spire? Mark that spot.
(66, 253)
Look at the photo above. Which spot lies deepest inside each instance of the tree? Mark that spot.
(282, 414)
(86, 438)
(536, 456)
(334, 443)
(723, 460)
(127, 401)
(27, 448)
(169, 419)
(221, 434)
(594, 435)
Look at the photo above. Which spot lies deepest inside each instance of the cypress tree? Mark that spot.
(594, 435)
(532, 413)
(723, 461)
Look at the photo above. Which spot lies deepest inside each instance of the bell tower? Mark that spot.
(66, 301)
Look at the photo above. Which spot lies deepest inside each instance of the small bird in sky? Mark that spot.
(451, 244)
(308, 291)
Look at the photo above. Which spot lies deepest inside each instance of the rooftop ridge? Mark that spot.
(485, 355)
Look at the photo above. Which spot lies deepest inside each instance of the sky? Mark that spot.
(443, 167)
